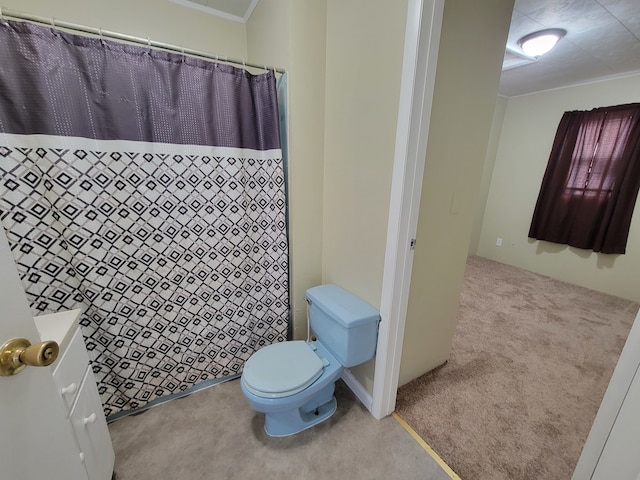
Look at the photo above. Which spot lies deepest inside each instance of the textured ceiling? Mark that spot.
(603, 40)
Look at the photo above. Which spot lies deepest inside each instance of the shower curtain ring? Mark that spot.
(53, 27)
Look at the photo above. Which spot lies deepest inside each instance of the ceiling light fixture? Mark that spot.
(539, 43)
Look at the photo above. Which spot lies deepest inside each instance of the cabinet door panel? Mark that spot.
(70, 369)
(92, 432)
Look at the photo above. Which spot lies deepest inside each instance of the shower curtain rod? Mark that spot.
(52, 22)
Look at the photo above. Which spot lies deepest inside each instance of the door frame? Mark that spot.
(422, 40)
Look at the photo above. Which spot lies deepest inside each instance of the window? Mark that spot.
(592, 179)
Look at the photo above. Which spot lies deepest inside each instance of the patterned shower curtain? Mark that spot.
(146, 188)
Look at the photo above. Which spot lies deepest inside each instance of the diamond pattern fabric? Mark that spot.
(180, 261)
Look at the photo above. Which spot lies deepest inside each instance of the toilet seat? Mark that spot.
(282, 369)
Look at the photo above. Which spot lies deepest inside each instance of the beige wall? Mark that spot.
(527, 134)
(269, 34)
(365, 41)
(159, 20)
(307, 120)
(467, 76)
(292, 34)
(487, 172)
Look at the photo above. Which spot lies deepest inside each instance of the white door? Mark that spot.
(611, 449)
(36, 440)
(619, 457)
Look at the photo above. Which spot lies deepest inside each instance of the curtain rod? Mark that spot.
(52, 22)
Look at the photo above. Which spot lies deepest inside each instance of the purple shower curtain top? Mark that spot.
(55, 83)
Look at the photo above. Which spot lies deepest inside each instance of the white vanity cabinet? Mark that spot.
(76, 385)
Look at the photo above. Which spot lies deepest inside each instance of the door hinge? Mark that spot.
(412, 245)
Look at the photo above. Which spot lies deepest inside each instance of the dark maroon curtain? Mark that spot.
(592, 179)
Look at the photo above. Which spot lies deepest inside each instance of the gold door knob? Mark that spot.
(17, 353)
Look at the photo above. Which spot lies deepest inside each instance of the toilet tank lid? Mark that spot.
(344, 307)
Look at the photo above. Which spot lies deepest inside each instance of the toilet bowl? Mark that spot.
(292, 406)
(293, 383)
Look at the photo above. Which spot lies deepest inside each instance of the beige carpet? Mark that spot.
(214, 435)
(531, 360)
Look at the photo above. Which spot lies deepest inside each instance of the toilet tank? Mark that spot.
(345, 324)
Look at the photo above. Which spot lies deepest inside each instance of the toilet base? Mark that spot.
(290, 422)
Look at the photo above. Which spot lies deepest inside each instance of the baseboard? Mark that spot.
(357, 388)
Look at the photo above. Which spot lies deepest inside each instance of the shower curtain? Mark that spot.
(146, 188)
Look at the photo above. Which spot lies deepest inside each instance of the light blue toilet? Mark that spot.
(293, 383)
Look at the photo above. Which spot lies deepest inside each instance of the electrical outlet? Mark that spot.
(499, 241)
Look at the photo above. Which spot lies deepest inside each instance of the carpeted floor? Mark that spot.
(214, 434)
(531, 360)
